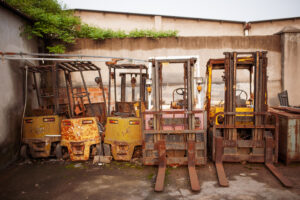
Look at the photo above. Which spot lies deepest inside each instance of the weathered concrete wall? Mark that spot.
(11, 87)
(291, 66)
(204, 47)
(273, 26)
(185, 26)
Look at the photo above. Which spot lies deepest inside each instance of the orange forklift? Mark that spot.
(81, 133)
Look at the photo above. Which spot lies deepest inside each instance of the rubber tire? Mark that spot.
(99, 151)
(24, 153)
(106, 148)
(58, 151)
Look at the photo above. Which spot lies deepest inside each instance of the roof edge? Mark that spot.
(147, 14)
(182, 17)
(278, 19)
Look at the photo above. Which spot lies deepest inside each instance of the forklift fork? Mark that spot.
(268, 162)
(162, 159)
(219, 162)
(192, 167)
(160, 179)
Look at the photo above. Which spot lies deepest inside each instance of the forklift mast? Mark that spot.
(71, 67)
(174, 136)
(233, 140)
(44, 96)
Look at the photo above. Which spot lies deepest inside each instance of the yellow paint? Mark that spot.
(199, 88)
(209, 75)
(136, 108)
(79, 131)
(123, 134)
(217, 109)
(40, 132)
(165, 64)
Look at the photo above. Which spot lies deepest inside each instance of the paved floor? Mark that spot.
(120, 180)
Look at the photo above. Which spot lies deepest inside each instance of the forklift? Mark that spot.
(81, 133)
(123, 137)
(174, 132)
(241, 129)
(41, 127)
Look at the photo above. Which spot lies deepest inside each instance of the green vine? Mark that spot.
(53, 22)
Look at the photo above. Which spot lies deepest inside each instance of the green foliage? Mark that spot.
(57, 48)
(152, 33)
(53, 23)
(95, 33)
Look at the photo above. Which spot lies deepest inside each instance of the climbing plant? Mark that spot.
(52, 22)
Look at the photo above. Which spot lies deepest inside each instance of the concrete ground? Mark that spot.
(51, 179)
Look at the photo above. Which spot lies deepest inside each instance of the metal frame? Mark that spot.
(114, 67)
(158, 142)
(71, 67)
(263, 144)
(54, 78)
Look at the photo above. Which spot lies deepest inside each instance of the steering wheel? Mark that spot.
(241, 92)
(180, 91)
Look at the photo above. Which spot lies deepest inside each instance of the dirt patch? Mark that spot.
(121, 180)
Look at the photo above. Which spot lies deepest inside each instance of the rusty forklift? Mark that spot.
(241, 129)
(41, 126)
(123, 137)
(81, 133)
(174, 133)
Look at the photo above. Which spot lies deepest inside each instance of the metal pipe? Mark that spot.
(115, 89)
(37, 89)
(68, 94)
(109, 89)
(25, 103)
(66, 55)
(87, 93)
(55, 90)
(102, 88)
(123, 87)
(57, 59)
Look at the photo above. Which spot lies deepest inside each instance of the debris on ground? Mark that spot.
(242, 174)
(137, 161)
(27, 161)
(102, 159)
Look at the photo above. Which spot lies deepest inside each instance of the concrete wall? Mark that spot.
(204, 47)
(185, 26)
(273, 26)
(11, 87)
(291, 66)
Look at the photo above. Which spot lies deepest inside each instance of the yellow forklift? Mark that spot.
(81, 133)
(41, 127)
(123, 136)
(241, 129)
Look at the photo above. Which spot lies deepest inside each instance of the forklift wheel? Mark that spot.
(58, 151)
(24, 153)
(106, 148)
(99, 150)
